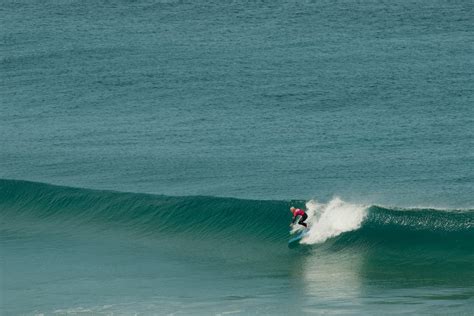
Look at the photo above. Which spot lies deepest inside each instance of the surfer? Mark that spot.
(299, 212)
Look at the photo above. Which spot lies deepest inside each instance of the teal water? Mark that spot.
(216, 117)
(68, 250)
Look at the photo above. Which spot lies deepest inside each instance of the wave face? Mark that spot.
(142, 214)
(29, 205)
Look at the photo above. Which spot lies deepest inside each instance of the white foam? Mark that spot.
(332, 219)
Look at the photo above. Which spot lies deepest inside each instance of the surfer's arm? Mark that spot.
(293, 220)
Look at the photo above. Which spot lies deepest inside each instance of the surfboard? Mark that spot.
(295, 241)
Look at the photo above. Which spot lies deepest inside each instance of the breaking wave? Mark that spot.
(28, 205)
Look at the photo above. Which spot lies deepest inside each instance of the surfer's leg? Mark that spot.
(302, 219)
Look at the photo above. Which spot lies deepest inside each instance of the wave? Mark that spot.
(340, 220)
(141, 214)
(25, 204)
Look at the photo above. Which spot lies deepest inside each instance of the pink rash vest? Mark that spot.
(299, 212)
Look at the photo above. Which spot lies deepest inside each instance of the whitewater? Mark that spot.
(332, 219)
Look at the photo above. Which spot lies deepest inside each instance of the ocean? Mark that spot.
(150, 151)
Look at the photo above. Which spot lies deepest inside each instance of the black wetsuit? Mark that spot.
(303, 217)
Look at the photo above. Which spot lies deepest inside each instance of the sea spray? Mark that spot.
(332, 219)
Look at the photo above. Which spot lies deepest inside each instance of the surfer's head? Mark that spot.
(292, 209)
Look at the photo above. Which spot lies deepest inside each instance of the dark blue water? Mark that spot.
(364, 106)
